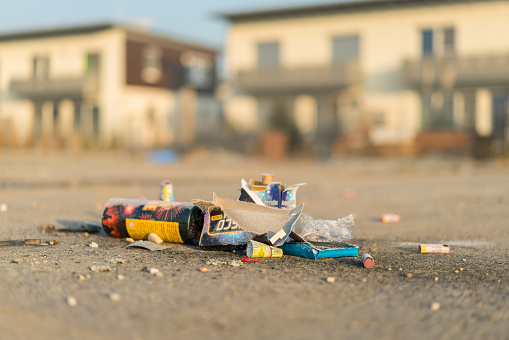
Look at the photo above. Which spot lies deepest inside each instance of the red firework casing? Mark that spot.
(174, 222)
(367, 261)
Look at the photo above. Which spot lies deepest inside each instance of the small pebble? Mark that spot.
(464, 260)
(129, 239)
(436, 278)
(93, 245)
(120, 277)
(435, 306)
(3, 207)
(389, 268)
(71, 301)
(86, 234)
(203, 270)
(461, 269)
(81, 277)
(264, 270)
(152, 271)
(400, 269)
(115, 297)
(155, 238)
(331, 279)
(364, 280)
(456, 271)
(409, 275)
(116, 260)
(88, 276)
(159, 274)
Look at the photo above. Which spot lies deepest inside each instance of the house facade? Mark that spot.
(103, 86)
(412, 75)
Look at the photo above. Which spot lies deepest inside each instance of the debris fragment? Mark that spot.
(53, 242)
(435, 306)
(248, 260)
(32, 241)
(331, 279)
(235, 263)
(409, 275)
(152, 271)
(100, 268)
(81, 277)
(18, 261)
(47, 227)
(120, 277)
(116, 260)
(148, 245)
(204, 270)
(71, 301)
(3, 207)
(93, 245)
(152, 237)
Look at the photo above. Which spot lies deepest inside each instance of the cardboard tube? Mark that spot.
(434, 248)
(267, 178)
(256, 249)
(368, 261)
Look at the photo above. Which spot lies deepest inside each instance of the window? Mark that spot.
(438, 41)
(268, 54)
(345, 48)
(40, 67)
(152, 66)
(93, 63)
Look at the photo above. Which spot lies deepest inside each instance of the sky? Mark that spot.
(192, 20)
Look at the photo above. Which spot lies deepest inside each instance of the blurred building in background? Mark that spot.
(104, 86)
(380, 75)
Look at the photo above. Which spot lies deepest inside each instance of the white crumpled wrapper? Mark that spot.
(338, 230)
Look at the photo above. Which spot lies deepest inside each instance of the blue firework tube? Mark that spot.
(174, 222)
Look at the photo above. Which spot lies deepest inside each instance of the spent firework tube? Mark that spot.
(390, 218)
(257, 249)
(174, 222)
(167, 191)
(368, 261)
(434, 248)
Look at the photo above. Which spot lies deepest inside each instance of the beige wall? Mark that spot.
(387, 38)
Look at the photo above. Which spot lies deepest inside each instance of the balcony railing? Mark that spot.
(54, 88)
(457, 71)
(298, 79)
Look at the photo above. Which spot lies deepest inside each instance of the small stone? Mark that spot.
(93, 245)
(456, 271)
(364, 280)
(120, 277)
(3, 207)
(71, 301)
(235, 263)
(81, 277)
(400, 269)
(115, 297)
(100, 269)
(436, 278)
(129, 239)
(487, 274)
(86, 234)
(389, 268)
(464, 260)
(152, 271)
(435, 306)
(159, 274)
(331, 279)
(204, 270)
(264, 270)
(409, 275)
(461, 269)
(155, 238)
(88, 276)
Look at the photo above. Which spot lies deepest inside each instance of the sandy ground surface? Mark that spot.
(458, 202)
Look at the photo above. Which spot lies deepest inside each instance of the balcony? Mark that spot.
(457, 71)
(278, 79)
(77, 87)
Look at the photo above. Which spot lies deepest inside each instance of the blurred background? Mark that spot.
(308, 79)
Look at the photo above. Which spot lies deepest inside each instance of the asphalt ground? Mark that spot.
(406, 295)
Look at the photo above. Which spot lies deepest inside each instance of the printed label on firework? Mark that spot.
(168, 231)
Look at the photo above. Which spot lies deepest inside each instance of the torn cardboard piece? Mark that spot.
(234, 223)
(272, 194)
(148, 245)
